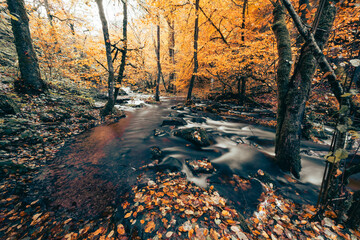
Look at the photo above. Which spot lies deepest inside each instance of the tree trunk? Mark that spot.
(290, 115)
(123, 50)
(196, 64)
(30, 81)
(171, 24)
(354, 212)
(243, 20)
(157, 93)
(241, 90)
(110, 104)
(284, 67)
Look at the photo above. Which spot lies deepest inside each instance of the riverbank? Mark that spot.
(166, 200)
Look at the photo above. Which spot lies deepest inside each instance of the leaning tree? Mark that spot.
(30, 80)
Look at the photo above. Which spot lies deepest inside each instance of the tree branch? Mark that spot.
(216, 28)
(336, 86)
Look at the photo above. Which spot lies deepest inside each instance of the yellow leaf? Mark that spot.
(13, 17)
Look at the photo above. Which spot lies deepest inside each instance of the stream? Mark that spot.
(99, 166)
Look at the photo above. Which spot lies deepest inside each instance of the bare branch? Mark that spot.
(216, 28)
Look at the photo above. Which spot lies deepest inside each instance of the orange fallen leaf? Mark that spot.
(150, 226)
(121, 229)
(128, 214)
(99, 231)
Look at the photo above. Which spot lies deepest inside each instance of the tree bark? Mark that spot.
(288, 136)
(110, 104)
(242, 90)
(196, 63)
(243, 20)
(171, 24)
(123, 50)
(157, 93)
(283, 71)
(316, 44)
(30, 81)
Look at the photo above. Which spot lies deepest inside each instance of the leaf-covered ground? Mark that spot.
(161, 205)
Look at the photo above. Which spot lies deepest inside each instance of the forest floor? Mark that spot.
(161, 205)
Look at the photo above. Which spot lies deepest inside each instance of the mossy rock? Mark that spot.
(197, 136)
(8, 105)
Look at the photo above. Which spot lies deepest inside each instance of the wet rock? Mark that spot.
(198, 120)
(122, 92)
(141, 105)
(178, 107)
(212, 116)
(122, 100)
(159, 132)
(174, 122)
(156, 153)
(180, 115)
(196, 109)
(200, 166)
(172, 164)
(197, 136)
(98, 105)
(101, 96)
(8, 106)
(118, 113)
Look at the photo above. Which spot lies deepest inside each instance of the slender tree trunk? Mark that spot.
(291, 116)
(110, 104)
(243, 20)
(30, 81)
(304, 8)
(196, 63)
(243, 90)
(157, 93)
(171, 24)
(123, 50)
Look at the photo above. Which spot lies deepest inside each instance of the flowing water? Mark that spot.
(100, 165)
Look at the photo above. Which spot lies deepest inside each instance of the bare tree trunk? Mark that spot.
(196, 63)
(157, 93)
(171, 24)
(123, 50)
(110, 104)
(243, 20)
(31, 81)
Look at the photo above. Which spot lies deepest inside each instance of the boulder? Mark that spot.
(172, 164)
(197, 136)
(200, 166)
(198, 120)
(159, 132)
(174, 122)
(156, 153)
(8, 106)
